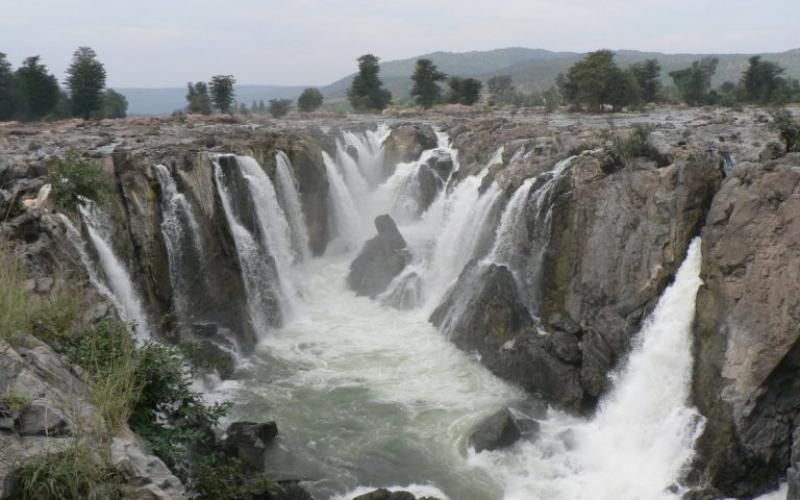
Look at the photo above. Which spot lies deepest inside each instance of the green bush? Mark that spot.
(637, 144)
(789, 129)
(74, 178)
(74, 473)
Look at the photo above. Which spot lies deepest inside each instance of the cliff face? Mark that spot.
(747, 356)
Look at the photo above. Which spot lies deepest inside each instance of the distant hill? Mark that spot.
(529, 68)
(160, 101)
(538, 68)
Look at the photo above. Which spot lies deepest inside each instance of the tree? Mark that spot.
(279, 107)
(501, 89)
(262, 108)
(37, 90)
(115, 105)
(694, 83)
(366, 93)
(310, 100)
(596, 80)
(8, 102)
(222, 92)
(199, 101)
(465, 91)
(426, 80)
(86, 80)
(762, 82)
(648, 77)
(243, 109)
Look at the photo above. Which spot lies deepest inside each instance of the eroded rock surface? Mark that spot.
(382, 258)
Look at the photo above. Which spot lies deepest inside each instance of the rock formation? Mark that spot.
(380, 260)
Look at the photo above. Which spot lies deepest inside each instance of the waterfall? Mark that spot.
(512, 226)
(347, 222)
(643, 434)
(289, 198)
(369, 151)
(257, 266)
(353, 177)
(181, 234)
(127, 301)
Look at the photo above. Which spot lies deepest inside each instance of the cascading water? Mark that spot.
(289, 199)
(643, 434)
(181, 234)
(258, 272)
(348, 225)
(126, 299)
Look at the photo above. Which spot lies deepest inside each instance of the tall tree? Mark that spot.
(115, 105)
(594, 81)
(310, 100)
(762, 81)
(8, 101)
(501, 89)
(426, 80)
(465, 91)
(222, 92)
(37, 90)
(197, 96)
(366, 93)
(86, 81)
(694, 83)
(648, 77)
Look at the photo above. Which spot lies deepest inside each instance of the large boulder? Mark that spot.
(248, 442)
(382, 258)
(501, 430)
(484, 313)
(405, 143)
(746, 377)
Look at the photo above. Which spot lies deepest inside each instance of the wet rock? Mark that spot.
(384, 494)
(746, 378)
(405, 143)
(429, 186)
(441, 163)
(248, 442)
(500, 430)
(207, 353)
(380, 260)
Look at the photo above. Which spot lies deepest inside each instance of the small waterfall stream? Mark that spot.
(289, 199)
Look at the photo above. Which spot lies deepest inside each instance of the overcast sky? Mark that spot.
(157, 43)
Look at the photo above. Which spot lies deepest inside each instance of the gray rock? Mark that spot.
(41, 420)
(130, 455)
(384, 494)
(380, 260)
(248, 441)
(500, 430)
(405, 143)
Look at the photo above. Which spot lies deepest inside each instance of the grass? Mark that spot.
(14, 402)
(16, 303)
(637, 144)
(74, 178)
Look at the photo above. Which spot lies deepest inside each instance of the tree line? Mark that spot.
(220, 95)
(32, 92)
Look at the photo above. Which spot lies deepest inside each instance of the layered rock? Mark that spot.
(746, 378)
(405, 143)
(380, 260)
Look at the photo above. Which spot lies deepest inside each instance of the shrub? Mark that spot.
(279, 107)
(637, 144)
(74, 178)
(789, 129)
(70, 474)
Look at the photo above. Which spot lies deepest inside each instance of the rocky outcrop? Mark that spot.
(248, 442)
(382, 258)
(44, 408)
(384, 494)
(405, 143)
(747, 344)
(501, 430)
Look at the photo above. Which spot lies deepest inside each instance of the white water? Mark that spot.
(128, 303)
(289, 198)
(274, 229)
(643, 433)
(371, 396)
(258, 278)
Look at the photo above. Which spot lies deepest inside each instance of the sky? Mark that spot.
(165, 43)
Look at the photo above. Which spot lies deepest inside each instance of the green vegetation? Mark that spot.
(637, 144)
(762, 83)
(694, 83)
(366, 93)
(7, 90)
(73, 473)
(198, 98)
(74, 178)
(426, 79)
(789, 129)
(279, 108)
(115, 105)
(465, 91)
(86, 81)
(222, 92)
(37, 90)
(14, 402)
(648, 78)
(310, 100)
(596, 81)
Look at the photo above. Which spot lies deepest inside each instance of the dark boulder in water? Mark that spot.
(248, 441)
(502, 430)
(382, 258)
(384, 494)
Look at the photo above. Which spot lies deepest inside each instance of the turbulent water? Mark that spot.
(367, 395)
